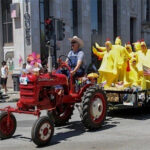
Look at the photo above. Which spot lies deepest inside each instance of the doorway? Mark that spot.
(132, 29)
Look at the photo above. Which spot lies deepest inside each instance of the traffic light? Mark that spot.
(49, 29)
(60, 30)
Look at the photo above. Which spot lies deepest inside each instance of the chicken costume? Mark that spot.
(108, 68)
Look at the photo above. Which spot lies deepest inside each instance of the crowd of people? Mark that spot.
(122, 66)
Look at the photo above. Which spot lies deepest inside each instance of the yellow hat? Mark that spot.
(118, 41)
(128, 47)
(108, 42)
(92, 75)
(137, 46)
(143, 43)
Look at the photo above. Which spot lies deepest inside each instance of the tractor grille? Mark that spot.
(28, 91)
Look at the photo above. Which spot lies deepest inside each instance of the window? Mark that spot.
(132, 29)
(44, 14)
(99, 11)
(7, 22)
(148, 10)
(115, 18)
(96, 16)
(75, 16)
(96, 25)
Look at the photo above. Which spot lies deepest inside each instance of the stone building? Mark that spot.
(22, 24)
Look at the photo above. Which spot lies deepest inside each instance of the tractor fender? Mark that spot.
(84, 88)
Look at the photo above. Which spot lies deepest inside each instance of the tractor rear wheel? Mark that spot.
(42, 131)
(93, 108)
(62, 114)
(7, 125)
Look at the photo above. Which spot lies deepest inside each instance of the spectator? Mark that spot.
(24, 70)
(4, 76)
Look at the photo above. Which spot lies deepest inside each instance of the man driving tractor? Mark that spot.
(76, 57)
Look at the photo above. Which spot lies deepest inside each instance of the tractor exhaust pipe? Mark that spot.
(49, 59)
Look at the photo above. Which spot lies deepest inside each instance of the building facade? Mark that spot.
(22, 28)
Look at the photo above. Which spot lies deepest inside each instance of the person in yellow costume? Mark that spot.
(108, 68)
(141, 53)
(122, 56)
(127, 67)
(134, 77)
(145, 56)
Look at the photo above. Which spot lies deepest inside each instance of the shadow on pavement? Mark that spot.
(22, 138)
(76, 129)
(72, 129)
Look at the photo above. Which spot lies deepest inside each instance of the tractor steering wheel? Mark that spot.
(60, 58)
(63, 66)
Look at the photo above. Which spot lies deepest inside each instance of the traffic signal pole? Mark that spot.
(55, 29)
(49, 58)
(55, 52)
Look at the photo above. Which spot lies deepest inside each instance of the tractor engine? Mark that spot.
(44, 91)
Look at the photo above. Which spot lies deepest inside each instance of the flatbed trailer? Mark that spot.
(137, 98)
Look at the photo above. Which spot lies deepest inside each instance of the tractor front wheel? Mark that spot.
(42, 131)
(93, 108)
(7, 125)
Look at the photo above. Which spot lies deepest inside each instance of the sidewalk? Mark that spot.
(12, 96)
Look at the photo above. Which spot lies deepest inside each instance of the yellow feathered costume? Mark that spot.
(113, 63)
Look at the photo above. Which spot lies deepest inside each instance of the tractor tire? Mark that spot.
(60, 118)
(7, 130)
(93, 108)
(42, 131)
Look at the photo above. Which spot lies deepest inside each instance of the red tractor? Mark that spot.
(57, 94)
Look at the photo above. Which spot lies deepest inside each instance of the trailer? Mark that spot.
(118, 99)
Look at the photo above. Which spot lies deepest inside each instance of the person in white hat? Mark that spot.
(76, 56)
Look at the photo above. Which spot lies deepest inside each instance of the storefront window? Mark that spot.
(7, 22)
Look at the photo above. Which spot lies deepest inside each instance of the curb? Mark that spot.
(9, 101)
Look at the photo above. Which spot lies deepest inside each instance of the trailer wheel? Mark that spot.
(7, 129)
(62, 114)
(42, 131)
(93, 108)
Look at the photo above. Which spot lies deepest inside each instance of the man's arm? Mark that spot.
(79, 62)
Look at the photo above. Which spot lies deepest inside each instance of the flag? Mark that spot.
(146, 71)
(13, 14)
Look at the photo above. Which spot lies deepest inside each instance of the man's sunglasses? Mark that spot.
(73, 42)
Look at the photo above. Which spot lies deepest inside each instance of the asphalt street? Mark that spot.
(123, 130)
